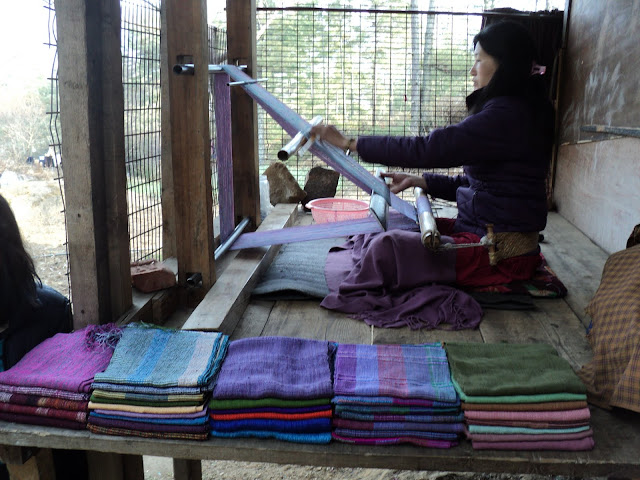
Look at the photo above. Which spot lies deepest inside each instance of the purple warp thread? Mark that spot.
(224, 154)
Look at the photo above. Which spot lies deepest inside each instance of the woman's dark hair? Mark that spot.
(18, 278)
(511, 45)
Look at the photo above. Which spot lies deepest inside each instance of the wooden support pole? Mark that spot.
(114, 466)
(92, 121)
(186, 27)
(241, 48)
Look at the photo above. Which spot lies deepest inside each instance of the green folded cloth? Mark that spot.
(508, 369)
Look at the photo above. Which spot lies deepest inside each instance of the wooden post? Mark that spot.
(241, 48)
(187, 42)
(92, 121)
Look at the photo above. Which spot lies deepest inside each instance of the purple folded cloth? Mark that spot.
(403, 371)
(291, 410)
(280, 367)
(147, 427)
(423, 442)
(586, 443)
(141, 416)
(45, 421)
(380, 426)
(380, 401)
(62, 362)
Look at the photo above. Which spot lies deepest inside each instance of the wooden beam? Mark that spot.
(241, 48)
(225, 303)
(190, 145)
(91, 114)
(113, 466)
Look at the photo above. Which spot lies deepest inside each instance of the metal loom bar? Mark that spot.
(330, 154)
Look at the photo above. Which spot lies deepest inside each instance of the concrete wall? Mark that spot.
(597, 183)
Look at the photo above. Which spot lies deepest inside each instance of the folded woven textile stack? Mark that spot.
(157, 383)
(274, 387)
(520, 397)
(389, 394)
(50, 385)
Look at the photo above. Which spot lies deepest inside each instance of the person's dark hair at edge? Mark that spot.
(511, 45)
(18, 275)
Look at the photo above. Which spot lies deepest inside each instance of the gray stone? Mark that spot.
(321, 183)
(283, 187)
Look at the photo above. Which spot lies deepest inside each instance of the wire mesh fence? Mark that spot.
(140, 46)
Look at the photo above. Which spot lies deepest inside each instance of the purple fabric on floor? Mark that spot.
(586, 443)
(61, 362)
(391, 280)
(280, 367)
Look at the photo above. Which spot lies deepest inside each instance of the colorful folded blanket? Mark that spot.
(582, 444)
(501, 369)
(363, 417)
(202, 420)
(146, 434)
(312, 425)
(403, 371)
(43, 402)
(242, 403)
(162, 357)
(63, 362)
(381, 401)
(145, 409)
(523, 437)
(277, 410)
(382, 440)
(558, 416)
(524, 407)
(354, 433)
(272, 415)
(281, 367)
(315, 438)
(147, 426)
(338, 422)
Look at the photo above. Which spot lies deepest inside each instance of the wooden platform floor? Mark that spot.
(559, 322)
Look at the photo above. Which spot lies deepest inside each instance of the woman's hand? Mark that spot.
(402, 181)
(332, 135)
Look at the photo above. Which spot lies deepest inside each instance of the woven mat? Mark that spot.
(297, 271)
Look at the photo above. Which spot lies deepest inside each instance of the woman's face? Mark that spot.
(483, 68)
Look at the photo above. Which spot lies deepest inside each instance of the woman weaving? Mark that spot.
(504, 146)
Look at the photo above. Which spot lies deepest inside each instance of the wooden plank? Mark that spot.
(38, 467)
(298, 318)
(241, 50)
(187, 469)
(190, 145)
(91, 97)
(226, 301)
(253, 320)
(617, 439)
(114, 466)
(576, 260)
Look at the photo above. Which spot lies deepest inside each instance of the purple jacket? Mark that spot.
(505, 161)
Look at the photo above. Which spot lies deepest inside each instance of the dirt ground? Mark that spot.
(34, 195)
